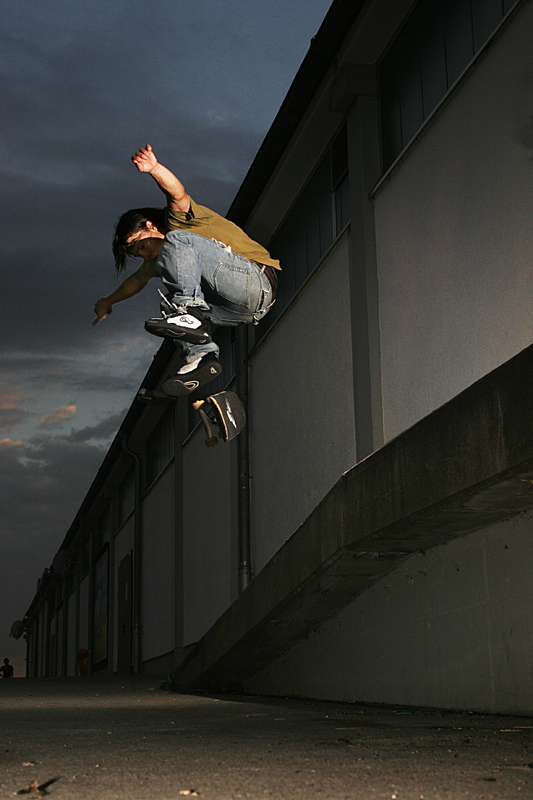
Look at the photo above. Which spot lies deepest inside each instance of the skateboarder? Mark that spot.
(212, 271)
(7, 670)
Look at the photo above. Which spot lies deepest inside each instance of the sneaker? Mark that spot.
(200, 371)
(190, 326)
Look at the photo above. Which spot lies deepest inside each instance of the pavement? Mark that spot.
(102, 738)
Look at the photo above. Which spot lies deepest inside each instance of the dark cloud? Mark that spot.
(83, 86)
(11, 418)
(73, 375)
(11, 411)
(37, 477)
(103, 431)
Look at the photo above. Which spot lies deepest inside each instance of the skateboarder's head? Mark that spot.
(134, 222)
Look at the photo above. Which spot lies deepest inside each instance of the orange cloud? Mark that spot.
(5, 443)
(11, 398)
(58, 416)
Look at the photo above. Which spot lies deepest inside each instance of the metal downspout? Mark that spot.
(243, 461)
(137, 559)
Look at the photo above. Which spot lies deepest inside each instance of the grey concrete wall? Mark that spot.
(302, 430)
(453, 232)
(158, 567)
(209, 535)
(452, 628)
(40, 643)
(122, 543)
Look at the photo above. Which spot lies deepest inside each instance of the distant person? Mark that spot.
(212, 271)
(7, 670)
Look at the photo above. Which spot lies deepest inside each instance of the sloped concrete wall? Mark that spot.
(453, 233)
(443, 630)
(450, 628)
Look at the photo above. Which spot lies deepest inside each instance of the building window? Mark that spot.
(317, 218)
(160, 445)
(433, 48)
(102, 534)
(126, 496)
(85, 555)
(339, 182)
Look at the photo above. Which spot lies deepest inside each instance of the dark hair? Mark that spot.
(133, 221)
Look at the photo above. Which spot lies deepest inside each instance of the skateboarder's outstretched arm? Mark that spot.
(130, 287)
(177, 198)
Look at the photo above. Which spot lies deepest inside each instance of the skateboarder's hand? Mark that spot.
(177, 198)
(144, 159)
(102, 307)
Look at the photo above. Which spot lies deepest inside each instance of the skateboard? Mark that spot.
(224, 410)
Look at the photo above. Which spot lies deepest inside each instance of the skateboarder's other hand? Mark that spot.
(144, 159)
(102, 307)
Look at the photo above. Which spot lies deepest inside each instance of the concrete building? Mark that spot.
(369, 536)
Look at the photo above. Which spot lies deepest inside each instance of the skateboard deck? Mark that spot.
(224, 410)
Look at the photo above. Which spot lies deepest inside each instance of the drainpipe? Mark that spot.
(243, 461)
(137, 558)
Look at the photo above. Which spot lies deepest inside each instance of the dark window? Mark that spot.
(160, 445)
(102, 533)
(486, 16)
(126, 496)
(340, 181)
(318, 216)
(434, 46)
(432, 55)
(459, 38)
(85, 555)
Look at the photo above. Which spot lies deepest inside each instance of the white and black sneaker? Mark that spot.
(203, 369)
(191, 326)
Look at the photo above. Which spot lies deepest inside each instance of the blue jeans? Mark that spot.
(202, 272)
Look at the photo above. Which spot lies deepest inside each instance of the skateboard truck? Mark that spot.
(211, 440)
(225, 410)
(147, 395)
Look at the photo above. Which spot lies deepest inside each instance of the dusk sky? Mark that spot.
(83, 87)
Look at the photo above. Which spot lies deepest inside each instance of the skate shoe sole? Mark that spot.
(179, 385)
(175, 330)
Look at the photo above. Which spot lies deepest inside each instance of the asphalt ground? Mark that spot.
(99, 738)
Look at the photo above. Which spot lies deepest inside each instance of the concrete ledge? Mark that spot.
(468, 464)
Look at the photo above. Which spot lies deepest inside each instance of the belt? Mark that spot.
(272, 278)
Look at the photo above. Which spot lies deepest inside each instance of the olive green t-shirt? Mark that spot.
(204, 222)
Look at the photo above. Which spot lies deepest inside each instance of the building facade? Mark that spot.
(394, 186)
